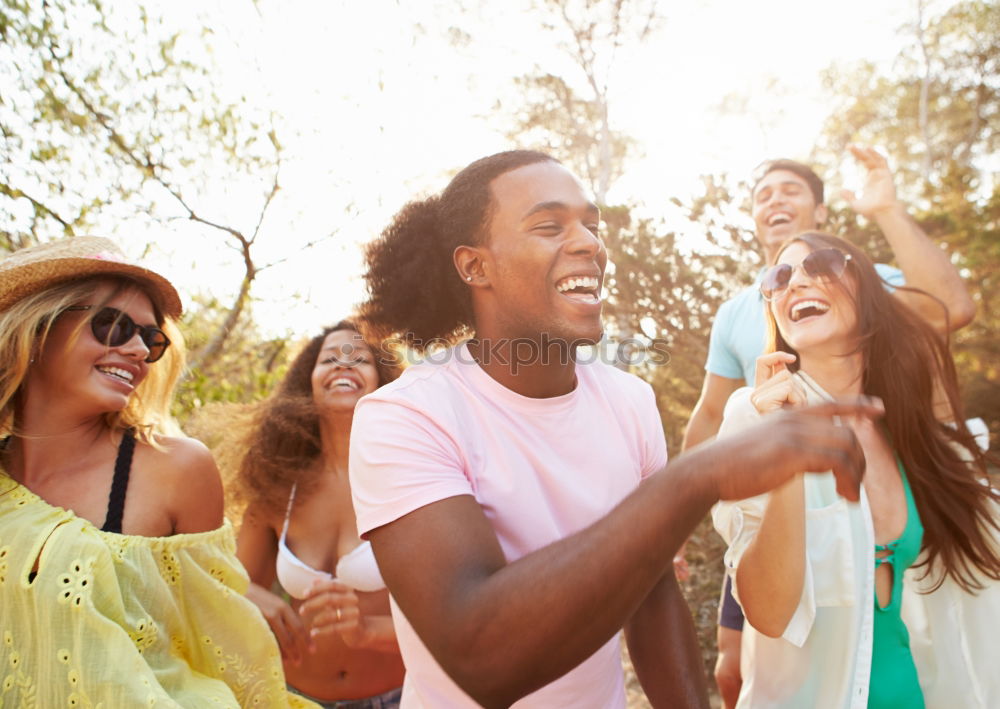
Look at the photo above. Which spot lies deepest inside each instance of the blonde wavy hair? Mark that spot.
(25, 327)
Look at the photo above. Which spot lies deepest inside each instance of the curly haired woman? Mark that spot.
(334, 630)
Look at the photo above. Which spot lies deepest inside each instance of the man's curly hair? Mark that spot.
(415, 291)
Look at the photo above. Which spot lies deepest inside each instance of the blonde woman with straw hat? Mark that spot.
(118, 582)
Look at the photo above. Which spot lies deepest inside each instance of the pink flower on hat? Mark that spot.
(108, 256)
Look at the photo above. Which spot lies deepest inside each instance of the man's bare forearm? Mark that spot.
(502, 630)
(926, 266)
(664, 649)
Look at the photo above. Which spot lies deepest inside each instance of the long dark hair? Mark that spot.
(415, 291)
(904, 360)
(283, 438)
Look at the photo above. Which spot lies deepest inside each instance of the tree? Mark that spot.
(972, 228)
(937, 115)
(935, 112)
(108, 115)
(247, 370)
(575, 124)
(557, 120)
(668, 292)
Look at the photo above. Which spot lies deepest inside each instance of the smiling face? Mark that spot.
(81, 373)
(544, 261)
(344, 371)
(815, 316)
(783, 206)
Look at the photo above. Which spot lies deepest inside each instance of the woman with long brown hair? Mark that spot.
(330, 612)
(880, 603)
(118, 582)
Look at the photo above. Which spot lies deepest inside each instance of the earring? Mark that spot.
(468, 278)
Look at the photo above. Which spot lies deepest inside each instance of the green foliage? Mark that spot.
(937, 116)
(247, 370)
(936, 111)
(100, 101)
(557, 120)
(972, 229)
(562, 118)
(113, 114)
(666, 293)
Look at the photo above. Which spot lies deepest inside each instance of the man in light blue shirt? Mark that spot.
(787, 199)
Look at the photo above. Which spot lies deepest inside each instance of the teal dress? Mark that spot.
(894, 683)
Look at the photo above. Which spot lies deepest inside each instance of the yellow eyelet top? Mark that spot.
(111, 620)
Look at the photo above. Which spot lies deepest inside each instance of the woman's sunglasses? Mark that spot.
(822, 265)
(114, 328)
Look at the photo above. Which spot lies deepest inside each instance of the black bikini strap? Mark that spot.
(116, 500)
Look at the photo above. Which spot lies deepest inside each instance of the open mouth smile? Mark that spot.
(582, 289)
(804, 309)
(779, 218)
(117, 373)
(343, 383)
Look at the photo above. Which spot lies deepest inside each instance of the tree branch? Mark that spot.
(154, 171)
(39, 207)
(925, 80)
(213, 348)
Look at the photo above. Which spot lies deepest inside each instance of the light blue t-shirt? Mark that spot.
(739, 332)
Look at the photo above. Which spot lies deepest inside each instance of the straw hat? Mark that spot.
(31, 270)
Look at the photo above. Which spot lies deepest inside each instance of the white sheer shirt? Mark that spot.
(823, 659)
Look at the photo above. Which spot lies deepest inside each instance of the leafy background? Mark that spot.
(117, 114)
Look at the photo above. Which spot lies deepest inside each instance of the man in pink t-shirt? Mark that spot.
(517, 500)
(540, 468)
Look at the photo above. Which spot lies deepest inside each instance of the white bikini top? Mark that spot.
(357, 568)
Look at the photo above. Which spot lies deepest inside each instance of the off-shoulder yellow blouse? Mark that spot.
(116, 621)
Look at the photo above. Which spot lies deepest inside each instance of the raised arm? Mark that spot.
(502, 630)
(923, 263)
(771, 570)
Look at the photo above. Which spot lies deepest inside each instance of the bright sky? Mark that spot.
(378, 107)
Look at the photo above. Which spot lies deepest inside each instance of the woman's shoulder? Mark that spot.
(177, 456)
(184, 470)
(180, 461)
(183, 450)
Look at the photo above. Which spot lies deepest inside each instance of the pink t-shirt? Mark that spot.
(542, 469)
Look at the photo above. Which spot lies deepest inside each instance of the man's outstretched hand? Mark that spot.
(784, 444)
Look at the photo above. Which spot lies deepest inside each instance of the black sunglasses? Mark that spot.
(114, 328)
(822, 265)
